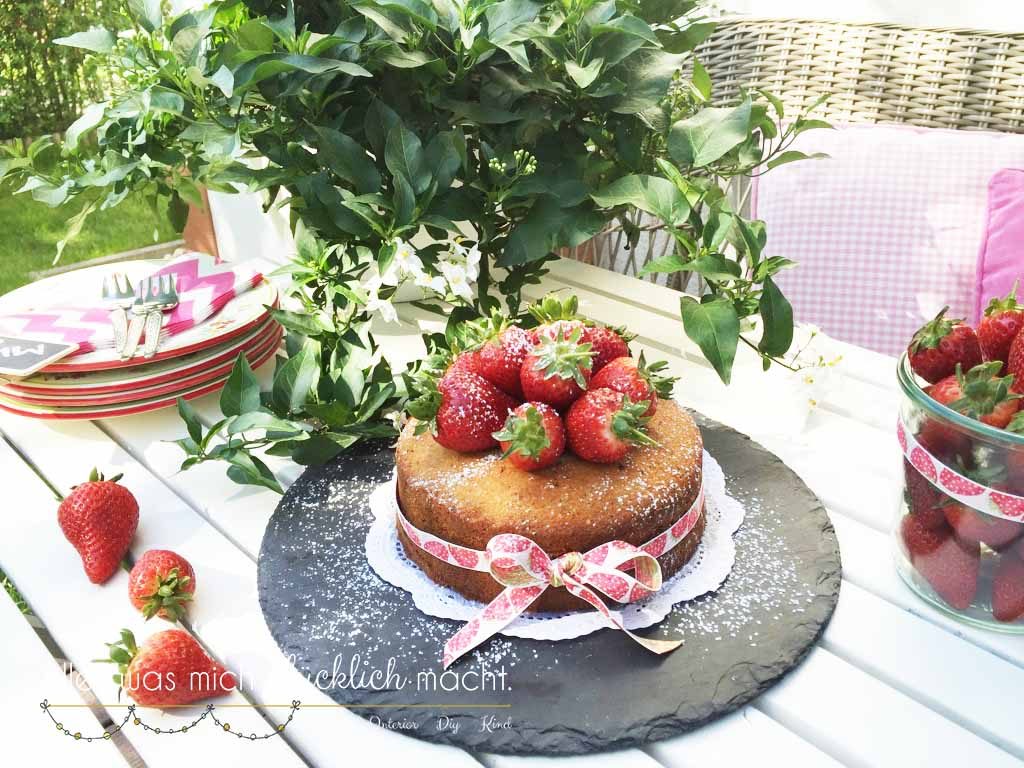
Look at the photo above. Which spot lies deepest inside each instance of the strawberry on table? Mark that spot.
(557, 370)
(99, 518)
(533, 436)
(604, 424)
(980, 394)
(607, 344)
(940, 345)
(1000, 325)
(161, 583)
(637, 379)
(1008, 588)
(463, 410)
(169, 669)
(498, 353)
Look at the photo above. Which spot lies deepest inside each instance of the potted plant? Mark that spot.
(492, 133)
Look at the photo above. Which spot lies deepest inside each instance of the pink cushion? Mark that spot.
(887, 230)
(1001, 258)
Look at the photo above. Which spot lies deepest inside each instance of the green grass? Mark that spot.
(29, 232)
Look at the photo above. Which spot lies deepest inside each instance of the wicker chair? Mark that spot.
(874, 73)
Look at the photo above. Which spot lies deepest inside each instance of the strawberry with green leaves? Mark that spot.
(462, 410)
(1000, 325)
(161, 584)
(99, 518)
(980, 394)
(496, 352)
(942, 344)
(923, 498)
(555, 317)
(533, 437)
(169, 669)
(607, 344)
(603, 425)
(557, 370)
(637, 379)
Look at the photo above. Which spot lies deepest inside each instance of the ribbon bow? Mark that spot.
(526, 571)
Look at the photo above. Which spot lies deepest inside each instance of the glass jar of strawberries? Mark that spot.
(959, 534)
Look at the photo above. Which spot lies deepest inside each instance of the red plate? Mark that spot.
(130, 409)
(239, 316)
(180, 383)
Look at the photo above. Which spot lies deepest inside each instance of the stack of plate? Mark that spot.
(99, 385)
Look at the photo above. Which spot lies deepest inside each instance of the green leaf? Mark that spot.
(320, 449)
(191, 418)
(701, 80)
(705, 137)
(255, 36)
(403, 155)
(444, 155)
(627, 25)
(284, 27)
(241, 392)
(377, 125)
(399, 57)
(646, 76)
(260, 68)
(146, 13)
(583, 76)
(348, 159)
(302, 322)
(224, 80)
(414, 9)
(95, 39)
(91, 116)
(713, 326)
(777, 314)
(652, 194)
(296, 379)
(686, 39)
(251, 420)
(246, 469)
(792, 155)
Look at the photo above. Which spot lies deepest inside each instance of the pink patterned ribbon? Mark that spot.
(204, 288)
(990, 501)
(526, 570)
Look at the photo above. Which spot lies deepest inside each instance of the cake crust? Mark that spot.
(575, 505)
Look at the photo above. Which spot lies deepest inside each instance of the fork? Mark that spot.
(165, 288)
(155, 294)
(119, 296)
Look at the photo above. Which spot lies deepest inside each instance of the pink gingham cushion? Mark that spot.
(1001, 258)
(886, 230)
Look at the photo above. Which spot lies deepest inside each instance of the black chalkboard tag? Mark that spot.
(21, 357)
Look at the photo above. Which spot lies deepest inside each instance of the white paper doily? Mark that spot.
(705, 571)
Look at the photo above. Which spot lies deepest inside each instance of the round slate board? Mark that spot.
(338, 623)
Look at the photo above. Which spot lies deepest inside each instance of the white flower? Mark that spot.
(435, 283)
(382, 307)
(458, 282)
(406, 261)
(473, 263)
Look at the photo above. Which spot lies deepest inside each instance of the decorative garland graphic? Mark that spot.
(134, 719)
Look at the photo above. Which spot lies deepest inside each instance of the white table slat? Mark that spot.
(629, 758)
(82, 617)
(963, 682)
(862, 722)
(745, 738)
(30, 675)
(225, 613)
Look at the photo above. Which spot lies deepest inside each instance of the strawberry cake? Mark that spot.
(554, 433)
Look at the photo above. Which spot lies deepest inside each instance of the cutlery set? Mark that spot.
(140, 311)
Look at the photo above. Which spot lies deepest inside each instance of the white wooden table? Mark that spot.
(893, 681)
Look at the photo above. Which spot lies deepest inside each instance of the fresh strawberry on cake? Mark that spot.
(575, 466)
